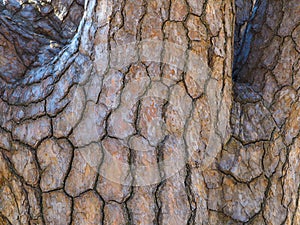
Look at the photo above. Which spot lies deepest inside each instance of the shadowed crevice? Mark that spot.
(250, 16)
(33, 33)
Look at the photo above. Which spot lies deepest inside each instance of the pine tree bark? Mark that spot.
(134, 118)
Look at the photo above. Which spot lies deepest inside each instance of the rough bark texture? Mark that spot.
(134, 118)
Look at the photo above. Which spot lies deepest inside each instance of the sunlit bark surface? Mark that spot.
(129, 112)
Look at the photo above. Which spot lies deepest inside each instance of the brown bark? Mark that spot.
(136, 119)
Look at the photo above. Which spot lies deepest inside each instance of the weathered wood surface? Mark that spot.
(125, 112)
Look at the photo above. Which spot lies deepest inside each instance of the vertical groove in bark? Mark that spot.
(266, 100)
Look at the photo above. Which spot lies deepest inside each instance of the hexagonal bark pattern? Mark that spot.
(130, 112)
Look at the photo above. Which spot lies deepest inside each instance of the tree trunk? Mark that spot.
(125, 112)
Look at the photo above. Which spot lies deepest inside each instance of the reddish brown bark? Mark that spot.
(135, 119)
